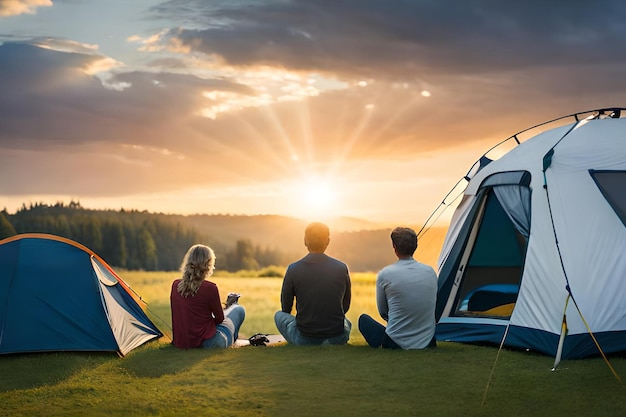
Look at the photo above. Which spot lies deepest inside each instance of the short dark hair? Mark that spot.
(317, 236)
(404, 240)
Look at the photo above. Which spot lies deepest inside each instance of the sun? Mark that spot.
(318, 198)
(319, 194)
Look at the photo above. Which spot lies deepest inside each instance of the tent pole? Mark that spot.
(559, 350)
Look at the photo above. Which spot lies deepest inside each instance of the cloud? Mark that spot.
(59, 122)
(542, 60)
(399, 39)
(55, 87)
(17, 7)
(247, 92)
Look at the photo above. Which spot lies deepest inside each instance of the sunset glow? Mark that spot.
(318, 199)
(302, 109)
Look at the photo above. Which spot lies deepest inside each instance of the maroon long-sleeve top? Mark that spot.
(194, 318)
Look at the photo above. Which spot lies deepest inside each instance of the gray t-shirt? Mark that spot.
(406, 294)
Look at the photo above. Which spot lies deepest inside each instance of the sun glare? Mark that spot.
(318, 199)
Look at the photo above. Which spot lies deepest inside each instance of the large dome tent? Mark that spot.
(535, 254)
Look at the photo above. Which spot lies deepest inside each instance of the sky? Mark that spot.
(306, 108)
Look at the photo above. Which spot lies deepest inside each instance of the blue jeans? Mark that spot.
(228, 330)
(286, 325)
(374, 333)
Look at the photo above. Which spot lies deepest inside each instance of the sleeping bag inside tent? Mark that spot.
(538, 240)
(57, 295)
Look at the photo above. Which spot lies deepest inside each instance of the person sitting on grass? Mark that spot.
(406, 294)
(198, 319)
(322, 289)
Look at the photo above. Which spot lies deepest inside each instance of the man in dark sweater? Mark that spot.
(322, 290)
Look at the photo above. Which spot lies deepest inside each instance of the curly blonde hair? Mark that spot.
(198, 264)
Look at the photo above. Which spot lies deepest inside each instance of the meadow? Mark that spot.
(354, 380)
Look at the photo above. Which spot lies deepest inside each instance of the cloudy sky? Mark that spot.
(364, 108)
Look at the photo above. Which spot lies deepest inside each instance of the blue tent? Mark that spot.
(57, 295)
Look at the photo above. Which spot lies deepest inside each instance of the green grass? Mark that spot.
(260, 297)
(354, 380)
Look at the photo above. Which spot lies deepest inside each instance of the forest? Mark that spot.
(140, 240)
(131, 239)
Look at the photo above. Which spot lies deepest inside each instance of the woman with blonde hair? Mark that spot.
(198, 319)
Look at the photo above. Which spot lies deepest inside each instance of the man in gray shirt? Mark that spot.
(406, 294)
(322, 291)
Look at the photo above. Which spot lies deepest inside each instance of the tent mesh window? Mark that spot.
(492, 274)
(612, 184)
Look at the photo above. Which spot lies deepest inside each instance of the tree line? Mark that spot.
(134, 240)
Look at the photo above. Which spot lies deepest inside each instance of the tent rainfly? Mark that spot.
(57, 295)
(535, 254)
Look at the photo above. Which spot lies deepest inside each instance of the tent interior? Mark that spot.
(493, 258)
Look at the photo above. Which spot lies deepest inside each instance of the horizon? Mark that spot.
(342, 223)
(370, 110)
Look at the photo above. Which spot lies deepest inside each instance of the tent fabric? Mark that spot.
(611, 185)
(57, 295)
(516, 203)
(563, 227)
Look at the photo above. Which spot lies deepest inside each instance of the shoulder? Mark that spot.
(295, 264)
(426, 268)
(308, 258)
(403, 267)
(208, 286)
(384, 273)
(389, 269)
(335, 261)
(338, 267)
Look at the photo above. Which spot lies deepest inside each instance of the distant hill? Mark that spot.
(363, 245)
(127, 238)
(267, 229)
(370, 250)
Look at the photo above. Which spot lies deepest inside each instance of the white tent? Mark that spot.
(539, 240)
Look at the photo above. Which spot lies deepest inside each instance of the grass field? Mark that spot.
(260, 297)
(354, 380)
